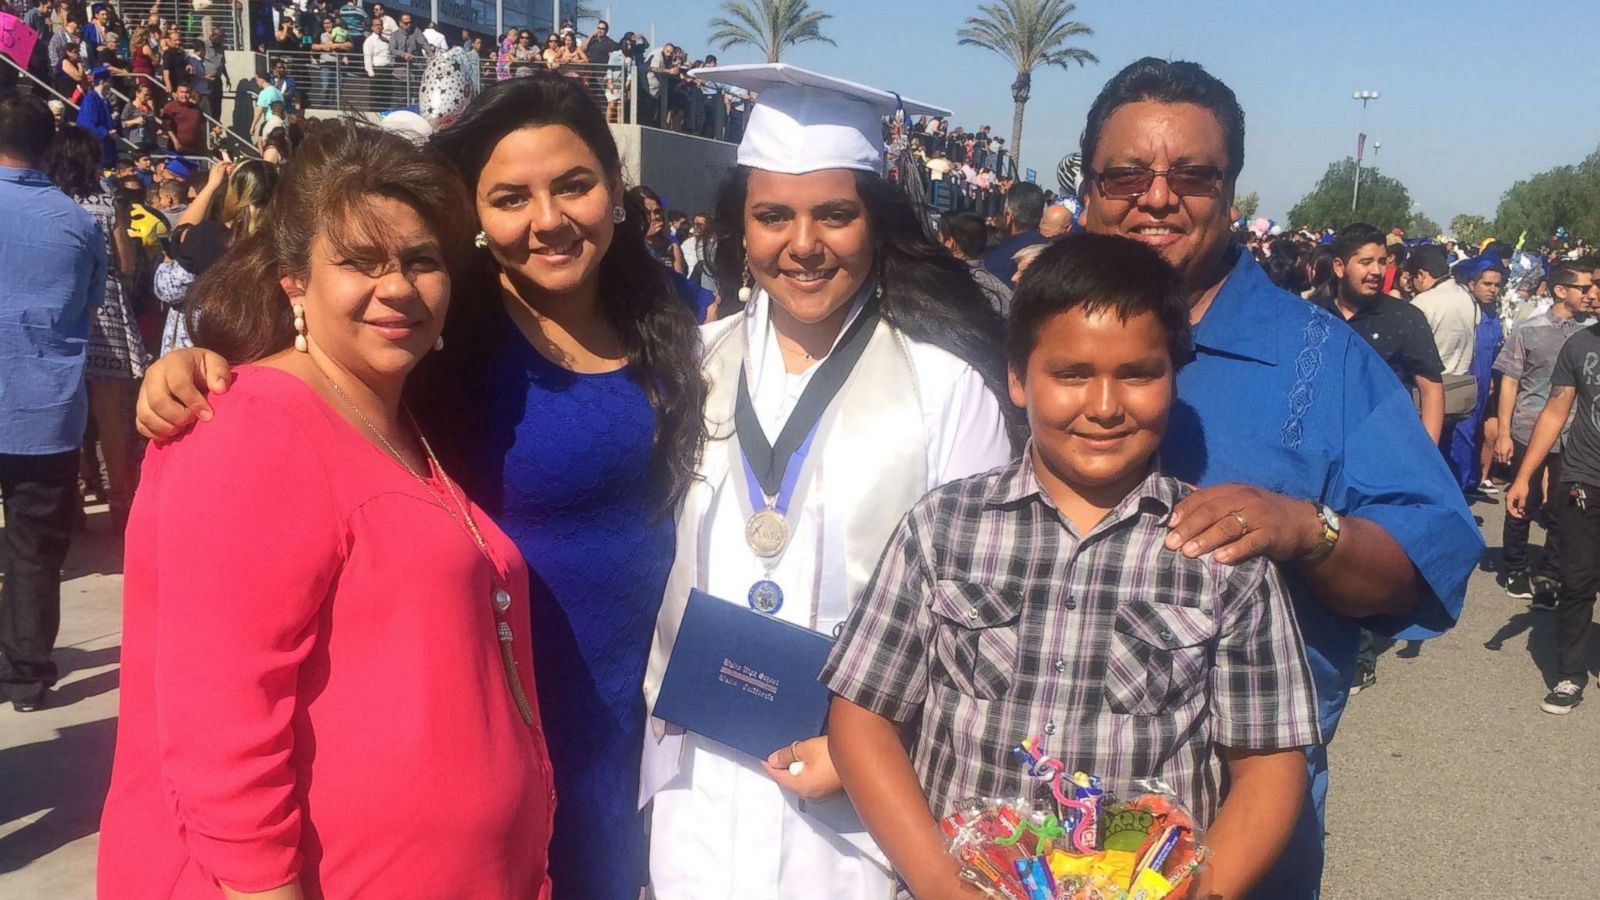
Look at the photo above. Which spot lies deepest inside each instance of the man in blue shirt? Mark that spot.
(1306, 448)
(1024, 211)
(52, 275)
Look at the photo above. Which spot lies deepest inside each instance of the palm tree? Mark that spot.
(1029, 34)
(771, 26)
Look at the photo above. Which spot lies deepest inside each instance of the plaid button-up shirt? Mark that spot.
(989, 620)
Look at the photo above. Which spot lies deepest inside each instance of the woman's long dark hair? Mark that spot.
(636, 295)
(928, 294)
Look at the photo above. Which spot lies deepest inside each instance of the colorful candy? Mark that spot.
(1078, 842)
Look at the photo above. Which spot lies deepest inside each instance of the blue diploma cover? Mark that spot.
(744, 678)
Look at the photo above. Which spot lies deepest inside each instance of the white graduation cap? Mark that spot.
(803, 121)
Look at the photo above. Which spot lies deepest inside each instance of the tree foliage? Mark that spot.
(771, 26)
(1422, 226)
(1247, 204)
(1028, 34)
(1564, 197)
(1469, 229)
(1384, 203)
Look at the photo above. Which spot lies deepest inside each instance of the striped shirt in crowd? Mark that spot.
(989, 620)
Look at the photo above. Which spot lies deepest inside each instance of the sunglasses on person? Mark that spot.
(1127, 182)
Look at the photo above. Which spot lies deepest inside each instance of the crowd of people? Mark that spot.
(349, 49)
(468, 423)
(140, 87)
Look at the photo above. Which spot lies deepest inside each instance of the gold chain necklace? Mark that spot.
(500, 598)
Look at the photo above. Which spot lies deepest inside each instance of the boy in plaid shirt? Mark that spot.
(1040, 598)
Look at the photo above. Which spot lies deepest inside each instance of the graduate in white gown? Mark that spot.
(845, 296)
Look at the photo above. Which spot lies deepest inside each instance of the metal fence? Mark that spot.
(194, 18)
(340, 81)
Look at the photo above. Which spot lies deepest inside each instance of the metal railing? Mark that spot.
(339, 81)
(52, 92)
(194, 18)
(231, 140)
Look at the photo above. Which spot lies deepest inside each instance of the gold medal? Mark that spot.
(767, 533)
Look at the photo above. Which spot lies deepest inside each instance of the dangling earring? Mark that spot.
(619, 214)
(745, 291)
(300, 329)
(439, 344)
(480, 241)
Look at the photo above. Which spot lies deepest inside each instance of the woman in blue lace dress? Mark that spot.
(568, 396)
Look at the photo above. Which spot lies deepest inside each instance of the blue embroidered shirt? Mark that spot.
(1284, 396)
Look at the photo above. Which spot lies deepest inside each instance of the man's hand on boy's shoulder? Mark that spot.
(1241, 522)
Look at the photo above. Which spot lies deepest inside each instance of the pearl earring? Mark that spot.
(300, 328)
(480, 241)
(619, 214)
(745, 291)
(439, 344)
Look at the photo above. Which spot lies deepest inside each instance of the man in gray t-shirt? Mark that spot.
(1526, 362)
(1575, 390)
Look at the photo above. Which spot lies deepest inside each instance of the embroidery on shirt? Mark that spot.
(1306, 367)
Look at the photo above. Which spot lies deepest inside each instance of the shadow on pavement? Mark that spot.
(72, 659)
(67, 776)
(1541, 644)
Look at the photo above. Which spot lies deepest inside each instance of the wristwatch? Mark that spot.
(1330, 533)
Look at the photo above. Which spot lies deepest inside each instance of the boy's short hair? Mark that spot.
(1429, 258)
(1353, 237)
(1097, 272)
(968, 231)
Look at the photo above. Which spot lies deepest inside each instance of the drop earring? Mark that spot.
(745, 290)
(300, 329)
(480, 241)
(619, 214)
(439, 344)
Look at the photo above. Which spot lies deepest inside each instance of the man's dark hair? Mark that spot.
(26, 127)
(967, 230)
(1564, 271)
(1099, 273)
(1429, 258)
(1353, 237)
(711, 57)
(1168, 81)
(1025, 203)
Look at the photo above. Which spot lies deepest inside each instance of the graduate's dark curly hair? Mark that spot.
(928, 295)
(636, 294)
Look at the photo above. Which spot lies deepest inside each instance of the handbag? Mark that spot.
(1460, 395)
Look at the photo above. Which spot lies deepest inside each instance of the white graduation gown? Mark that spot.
(721, 827)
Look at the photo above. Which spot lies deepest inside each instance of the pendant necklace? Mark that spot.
(499, 597)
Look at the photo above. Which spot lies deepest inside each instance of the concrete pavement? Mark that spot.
(1447, 779)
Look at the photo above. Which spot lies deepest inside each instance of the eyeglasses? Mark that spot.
(1126, 182)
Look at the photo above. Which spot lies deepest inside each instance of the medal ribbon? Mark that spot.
(768, 463)
(791, 475)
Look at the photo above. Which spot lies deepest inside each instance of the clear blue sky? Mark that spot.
(1468, 87)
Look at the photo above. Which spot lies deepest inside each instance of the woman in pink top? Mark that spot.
(327, 686)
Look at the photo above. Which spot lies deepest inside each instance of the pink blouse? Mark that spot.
(311, 681)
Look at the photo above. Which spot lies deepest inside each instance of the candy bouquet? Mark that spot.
(1078, 842)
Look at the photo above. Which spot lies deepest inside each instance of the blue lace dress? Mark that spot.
(569, 456)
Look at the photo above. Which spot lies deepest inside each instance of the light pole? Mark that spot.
(1361, 140)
